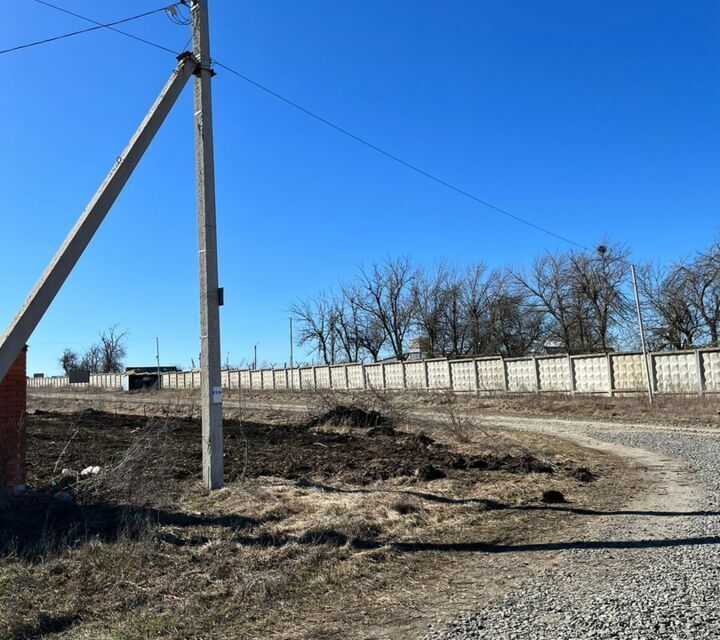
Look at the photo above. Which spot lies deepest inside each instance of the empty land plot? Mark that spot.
(325, 529)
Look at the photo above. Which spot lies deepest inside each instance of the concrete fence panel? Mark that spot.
(374, 376)
(337, 377)
(307, 381)
(394, 375)
(438, 374)
(521, 375)
(591, 374)
(491, 374)
(628, 372)
(355, 376)
(710, 361)
(676, 372)
(322, 377)
(415, 374)
(256, 379)
(463, 375)
(295, 378)
(280, 379)
(554, 374)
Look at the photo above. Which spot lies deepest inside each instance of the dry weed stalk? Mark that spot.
(460, 427)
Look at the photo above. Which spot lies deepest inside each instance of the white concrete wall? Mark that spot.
(684, 372)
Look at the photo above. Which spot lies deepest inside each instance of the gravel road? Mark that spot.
(650, 571)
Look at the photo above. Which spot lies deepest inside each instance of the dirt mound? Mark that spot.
(553, 497)
(511, 464)
(583, 474)
(348, 416)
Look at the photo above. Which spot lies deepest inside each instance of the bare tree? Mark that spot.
(69, 361)
(516, 323)
(112, 350)
(672, 319)
(429, 293)
(584, 295)
(550, 287)
(318, 325)
(349, 326)
(387, 297)
(477, 288)
(702, 277)
(600, 281)
(92, 359)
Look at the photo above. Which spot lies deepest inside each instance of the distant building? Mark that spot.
(144, 377)
(553, 348)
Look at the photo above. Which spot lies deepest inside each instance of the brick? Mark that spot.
(13, 437)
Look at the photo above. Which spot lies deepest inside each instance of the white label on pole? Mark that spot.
(217, 395)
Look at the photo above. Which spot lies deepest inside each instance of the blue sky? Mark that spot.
(591, 119)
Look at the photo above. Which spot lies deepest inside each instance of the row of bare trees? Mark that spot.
(578, 302)
(104, 356)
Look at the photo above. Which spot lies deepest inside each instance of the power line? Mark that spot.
(397, 159)
(339, 129)
(109, 28)
(77, 33)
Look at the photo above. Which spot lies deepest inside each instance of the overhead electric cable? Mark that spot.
(77, 33)
(396, 158)
(109, 28)
(339, 129)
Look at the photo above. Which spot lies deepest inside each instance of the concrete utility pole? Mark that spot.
(292, 378)
(157, 359)
(642, 333)
(212, 427)
(47, 287)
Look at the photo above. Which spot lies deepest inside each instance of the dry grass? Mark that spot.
(272, 557)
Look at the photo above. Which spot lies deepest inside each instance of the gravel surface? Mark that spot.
(653, 573)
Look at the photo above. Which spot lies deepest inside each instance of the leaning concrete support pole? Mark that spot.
(47, 287)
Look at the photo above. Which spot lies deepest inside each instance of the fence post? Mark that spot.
(382, 371)
(506, 379)
(347, 377)
(571, 374)
(364, 375)
(477, 376)
(404, 374)
(611, 377)
(427, 375)
(651, 372)
(450, 375)
(536, 367)
(701, 372)
(314, 378)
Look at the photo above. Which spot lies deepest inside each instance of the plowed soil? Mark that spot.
(253, 449)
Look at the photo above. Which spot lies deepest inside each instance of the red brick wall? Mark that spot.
(13, 439)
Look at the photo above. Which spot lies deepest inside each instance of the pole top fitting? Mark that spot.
(199, 69)
(185, 55)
